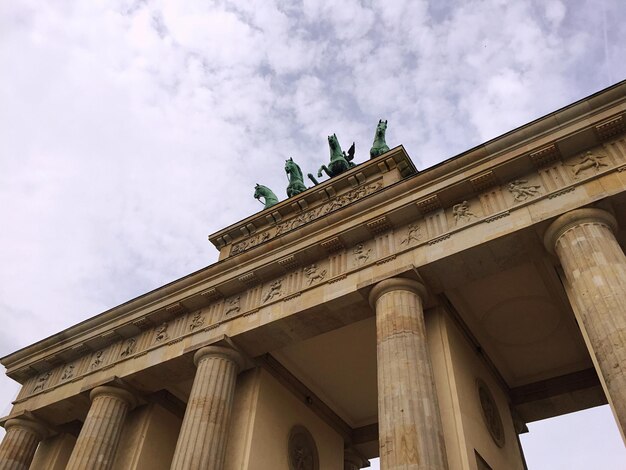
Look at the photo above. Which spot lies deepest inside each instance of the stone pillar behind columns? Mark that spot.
(19, 443)
(99, 437)
(409, 425)
(202, 439)
(595, 267)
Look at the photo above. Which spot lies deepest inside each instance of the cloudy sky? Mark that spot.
(130, 130)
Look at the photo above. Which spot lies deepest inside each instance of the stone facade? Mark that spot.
(372, 304)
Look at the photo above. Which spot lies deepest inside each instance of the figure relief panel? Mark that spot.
(273, 291)
(588, 164)
(465, 212)
(68, 373)
(362, 254)
(161, 333)
(524, 189)
(196, 321)
(232, 306)
(128, 347)
(411, 235)
(41, 382)
(97, 360)
(316, 273)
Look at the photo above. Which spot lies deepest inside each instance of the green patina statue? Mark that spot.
(296, 180)
(339, 160)
(261, 191)
(379, 146)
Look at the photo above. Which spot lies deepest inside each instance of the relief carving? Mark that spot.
(68, 372)
(129, 348)
(588, 161)
(413, 235)
(250, 243)
(161, 333)
(521, 190)
(361, 254)
(313, 274)
(302, 450)
(462, 212)
(41, 381)
(330, 206)
(273, 291)
(97, 360)
(196, 321)
(490, 413)
(232, 305)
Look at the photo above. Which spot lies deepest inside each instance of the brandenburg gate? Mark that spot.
(423, 317)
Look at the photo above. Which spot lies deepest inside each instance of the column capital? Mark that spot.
(220, 351)
(573, 218)
(115, 392)
(397, 283)
(36, 427)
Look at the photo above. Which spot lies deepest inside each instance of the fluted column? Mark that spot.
(202, 439)
(409, 425)
(19, 443)
(595, 267)
(100, 435)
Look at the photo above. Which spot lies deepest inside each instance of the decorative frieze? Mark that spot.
(250, 243)
(330, 206)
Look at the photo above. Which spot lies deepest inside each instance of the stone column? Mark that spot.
(202, 438)
(595, 267)
(99, 437)
(19, 443)
(409, 424)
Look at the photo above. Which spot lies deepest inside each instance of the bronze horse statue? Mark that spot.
(339, 160)
(379, 146)
(296, 180)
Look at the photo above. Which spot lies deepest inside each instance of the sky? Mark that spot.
(130, 130)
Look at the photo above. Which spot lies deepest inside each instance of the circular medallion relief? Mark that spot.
(490, 413)
(302, 450)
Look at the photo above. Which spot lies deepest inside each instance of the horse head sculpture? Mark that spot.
(261, 191)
